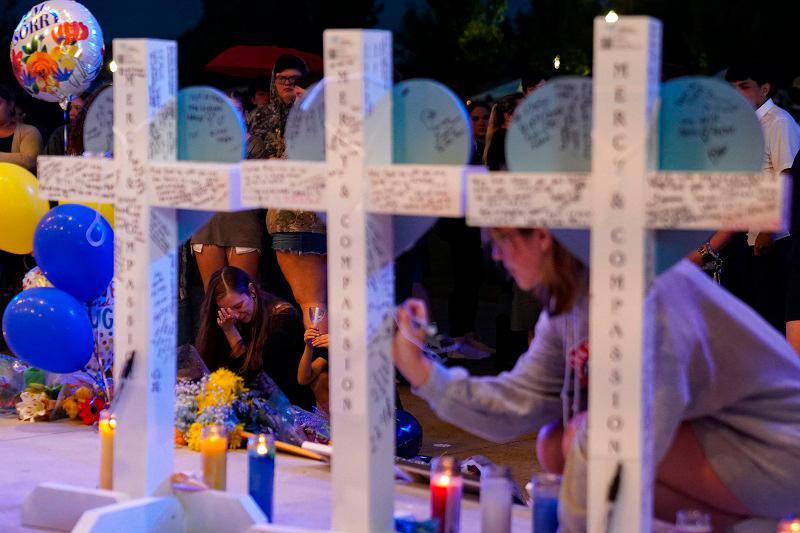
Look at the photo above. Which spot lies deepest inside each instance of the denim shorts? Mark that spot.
(300, 243)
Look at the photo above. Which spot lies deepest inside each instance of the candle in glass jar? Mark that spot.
(446, 488)
(106, 426)
(496, 499)
(789, 525)
(214, 449)
(261, 471)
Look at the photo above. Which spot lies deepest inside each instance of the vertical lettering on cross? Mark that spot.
(145, 265)
(626, 67)
(360, 286)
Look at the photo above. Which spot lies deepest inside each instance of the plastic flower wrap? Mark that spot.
(221, 388)
(186, 404)
(221, 398)
(32, 406)
(11, 381)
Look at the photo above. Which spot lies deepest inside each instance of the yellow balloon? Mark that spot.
(20, 208)
(107, 210)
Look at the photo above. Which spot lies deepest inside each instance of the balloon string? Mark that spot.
(66, 127)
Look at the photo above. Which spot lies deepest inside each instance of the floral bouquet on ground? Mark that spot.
(221, 398)
(44, 396)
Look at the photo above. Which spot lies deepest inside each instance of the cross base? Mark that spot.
(83, 510)
(273, 528)
(58, 506)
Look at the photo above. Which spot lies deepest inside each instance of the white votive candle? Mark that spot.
(496, 499)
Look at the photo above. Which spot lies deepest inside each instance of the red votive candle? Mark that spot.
(446, 488)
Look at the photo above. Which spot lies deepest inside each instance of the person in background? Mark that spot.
(533, 80)
(259, 98)
(313, 368)
(73, 128)
(298, 237)
(248, 331)
(230, 238)
(479, 118)
(725, 424)
(500, 119)
(756, 266)
(20, 143)
(466, 258)
(793, 263)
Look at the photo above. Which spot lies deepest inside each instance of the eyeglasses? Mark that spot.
(287, 80)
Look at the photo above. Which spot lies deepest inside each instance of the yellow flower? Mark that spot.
(193, 436)
(235, 438)
(71, 407)
(83, 393)
(222, 388)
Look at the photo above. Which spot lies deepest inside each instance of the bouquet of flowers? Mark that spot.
(221, 398)
(81, 395)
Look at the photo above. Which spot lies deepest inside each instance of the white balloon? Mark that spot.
(57, 50)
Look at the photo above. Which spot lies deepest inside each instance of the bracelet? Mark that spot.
(705, 249)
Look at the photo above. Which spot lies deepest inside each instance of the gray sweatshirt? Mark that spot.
(716, 363)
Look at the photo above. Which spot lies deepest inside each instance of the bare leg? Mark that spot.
(247, 261)
(793, 334)
(211, 259)
(685, 478)
(670, 501)
(549, 447)
(307, 275)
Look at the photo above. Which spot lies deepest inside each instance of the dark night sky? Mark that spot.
(164, 19)
(168, 19)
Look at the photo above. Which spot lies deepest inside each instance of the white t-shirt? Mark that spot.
(781, 144)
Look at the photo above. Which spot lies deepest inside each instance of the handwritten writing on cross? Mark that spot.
(358, 198)
(621, 209)
(146, 186)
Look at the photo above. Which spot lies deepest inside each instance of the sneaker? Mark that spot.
(467, 349)
(473, 340)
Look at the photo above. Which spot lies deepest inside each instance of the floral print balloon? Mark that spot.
(57, 50)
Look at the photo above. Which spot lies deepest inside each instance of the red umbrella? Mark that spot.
(257, 61)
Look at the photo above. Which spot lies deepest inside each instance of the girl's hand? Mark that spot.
(408, 338)
(226, 319)
(309, 335)
(321, 341)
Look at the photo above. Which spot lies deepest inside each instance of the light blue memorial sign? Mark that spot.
(552, 128)
(430, 125)
(98, 126)
(552, 132)
(704, 124)
(210, 129)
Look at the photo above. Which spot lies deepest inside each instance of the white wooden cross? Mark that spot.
(146, 186)
(358, 200)
(622, 201)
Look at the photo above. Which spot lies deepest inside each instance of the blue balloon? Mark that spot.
(49, 329)
(75, 250)
(408, 435)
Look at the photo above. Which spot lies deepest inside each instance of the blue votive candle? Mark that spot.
(261, 471)
(545, 503)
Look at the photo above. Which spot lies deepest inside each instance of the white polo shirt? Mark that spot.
(781, 144)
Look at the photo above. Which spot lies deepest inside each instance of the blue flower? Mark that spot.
(27, 78)
(62, 75)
